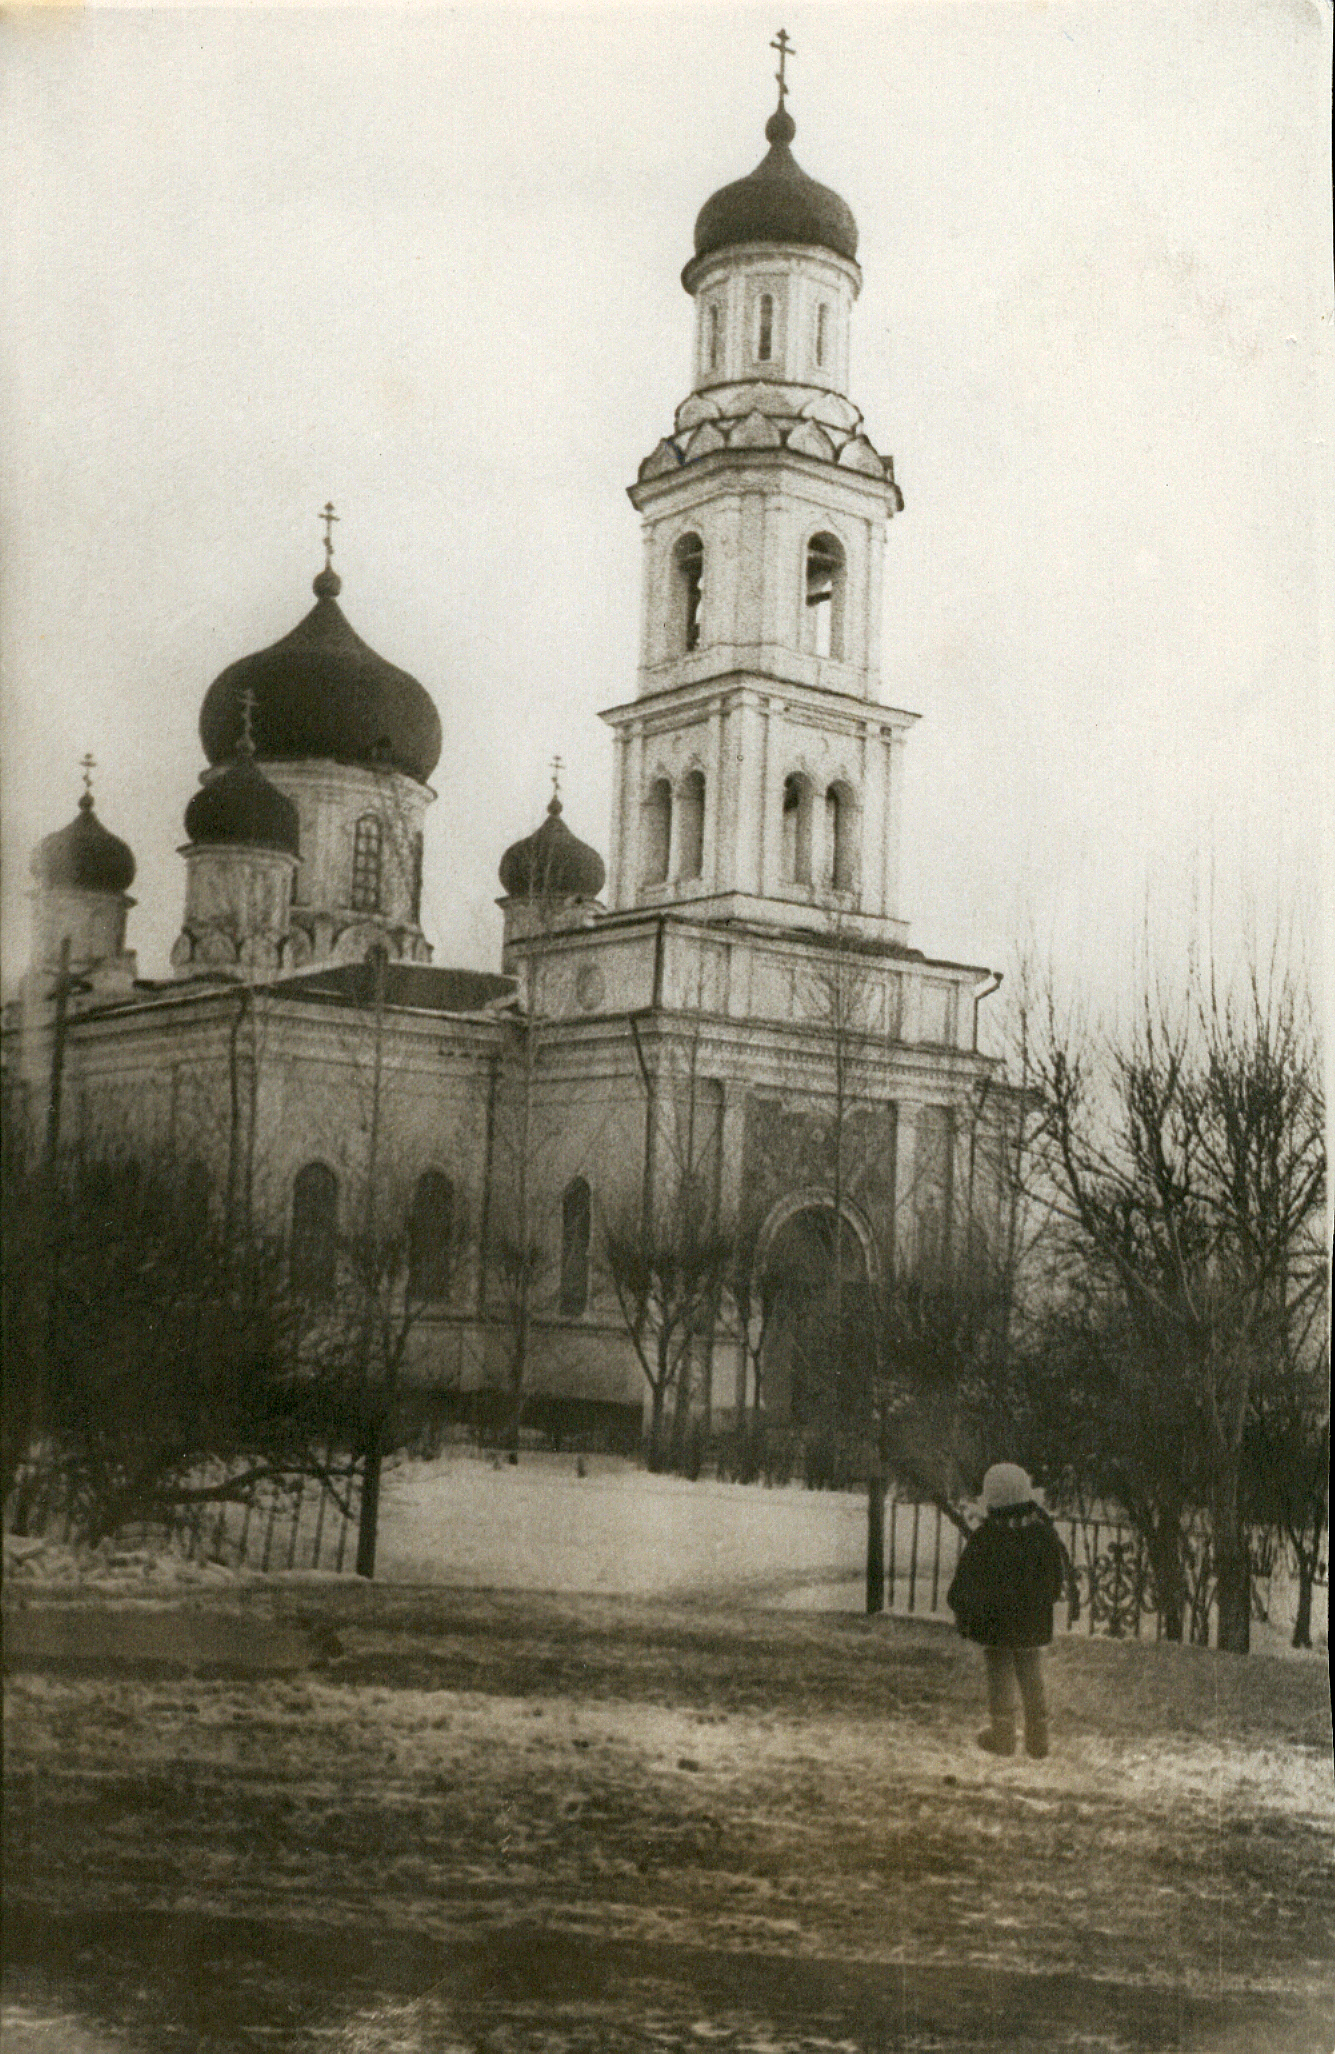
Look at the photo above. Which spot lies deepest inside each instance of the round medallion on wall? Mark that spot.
(589, 988)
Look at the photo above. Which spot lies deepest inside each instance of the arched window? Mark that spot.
(796, 829)
(824, 634)
(430, 1235)
(575, 1217)
(367, 843)
(688, 565)
(713, 334)
(840, 838)
(765, 327)
(822, 334)
(656, 836)
(415, 876)
(314, 1249)
(691, 825)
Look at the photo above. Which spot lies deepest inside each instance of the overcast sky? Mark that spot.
(426, 264)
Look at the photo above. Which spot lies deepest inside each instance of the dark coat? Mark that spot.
(1010, 1576)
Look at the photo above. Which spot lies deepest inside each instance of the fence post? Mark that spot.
(936, 1559)
(913, 1556)
(876, 1541)
(296, 1521)
(268, 1531)
(890, 1567)
(1093, 1574)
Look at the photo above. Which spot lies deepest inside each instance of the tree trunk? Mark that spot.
(1233, 1567)
(1302, 1625)
(1164, 1547)
(655, 1455)
(369, 1516)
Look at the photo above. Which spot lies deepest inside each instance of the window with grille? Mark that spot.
(822, 333)
(367, 845)
(714, 332)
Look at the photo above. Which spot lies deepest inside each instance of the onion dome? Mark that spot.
(321, 692)
(242, 807)
(84, 856)
(777, 202)
(552, 863)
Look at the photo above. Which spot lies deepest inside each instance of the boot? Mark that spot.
(999, 1737)
(1036, 1739)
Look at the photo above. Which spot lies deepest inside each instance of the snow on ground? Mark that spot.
(475, 1519)
(593, 1525)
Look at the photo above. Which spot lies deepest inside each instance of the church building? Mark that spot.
(726, 1015)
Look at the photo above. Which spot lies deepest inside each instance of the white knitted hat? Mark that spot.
(1006, 1484)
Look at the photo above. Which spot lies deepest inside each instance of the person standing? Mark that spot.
(1009, 1577)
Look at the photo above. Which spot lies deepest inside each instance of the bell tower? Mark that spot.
(757, 773)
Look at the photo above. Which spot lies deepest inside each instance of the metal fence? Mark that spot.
(1110, 1590)
(290, 1523)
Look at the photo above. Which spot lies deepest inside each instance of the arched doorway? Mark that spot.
(817, 1351)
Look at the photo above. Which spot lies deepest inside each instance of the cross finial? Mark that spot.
(328, 517)
(247, 743)
(785, 50)
(557, 767)
(87, 765)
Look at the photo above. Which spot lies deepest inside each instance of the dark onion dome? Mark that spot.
(242, 807)
(552, 863)
(84, 856)
(321, 692)
(777, 202)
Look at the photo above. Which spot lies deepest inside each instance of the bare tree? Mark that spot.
(670, 1255)
(173, 1366)
(1190, 1155)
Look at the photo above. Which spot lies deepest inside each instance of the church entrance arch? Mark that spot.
(815, 1289)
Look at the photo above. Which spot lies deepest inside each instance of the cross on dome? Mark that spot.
(785, 50)
(87, 764)
(554, 803)
(328, 584)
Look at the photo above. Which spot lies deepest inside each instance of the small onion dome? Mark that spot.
(552, 864)
(321, 692)
(84, 856)
(243, 807)
(777, 202)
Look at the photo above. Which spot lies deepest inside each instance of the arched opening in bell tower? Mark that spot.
(824, 616)
(656, 832)
(796, 829)
(688, 563)
(840, 838)
(691, 825)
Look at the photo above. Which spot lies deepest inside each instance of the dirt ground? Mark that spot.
(316, 1815)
